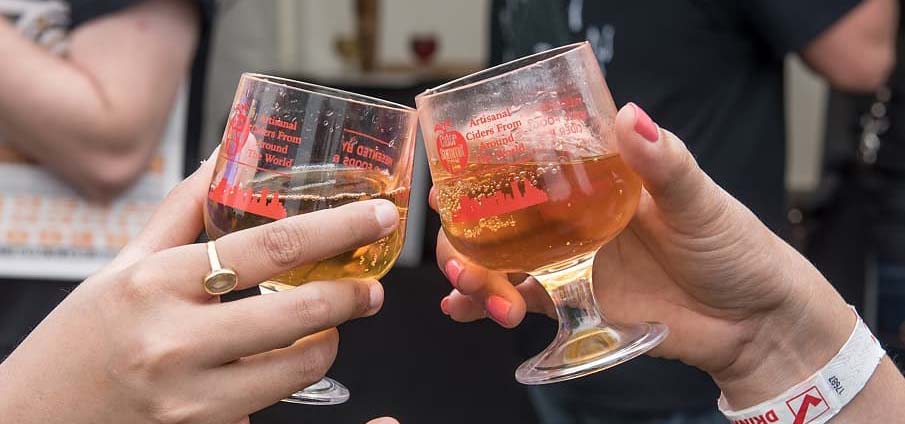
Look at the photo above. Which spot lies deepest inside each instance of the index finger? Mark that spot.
(262, 252)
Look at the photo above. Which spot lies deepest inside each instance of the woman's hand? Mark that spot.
(740, 303)
(141, 341)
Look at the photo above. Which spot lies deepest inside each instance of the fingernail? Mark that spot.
(432, 197)
(453, 269)
(387, 215)
(375, 297)
(213, 156)
(214, 153)
(644, 126)
(498, 309)
(444, 305)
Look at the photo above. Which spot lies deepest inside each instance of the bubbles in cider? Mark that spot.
(535, 215)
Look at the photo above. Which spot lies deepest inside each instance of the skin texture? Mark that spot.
(95, 116)
(141, 342)
(740, 303)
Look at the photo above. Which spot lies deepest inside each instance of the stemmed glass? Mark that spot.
(529, 179)
(290, 148)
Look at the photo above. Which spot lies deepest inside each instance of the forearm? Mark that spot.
(881, 401)
(96, 116)
(59, 115)
(857, 53)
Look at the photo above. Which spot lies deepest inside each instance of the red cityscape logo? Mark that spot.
(248, 201)
(520, 197)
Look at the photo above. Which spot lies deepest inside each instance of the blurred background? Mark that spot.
(806, 64)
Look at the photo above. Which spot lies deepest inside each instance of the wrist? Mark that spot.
(790, 344)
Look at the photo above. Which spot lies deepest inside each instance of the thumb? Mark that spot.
(680, 189)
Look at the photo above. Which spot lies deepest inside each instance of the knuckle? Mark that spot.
(310, 369)
(284, 242)
(180, 190)
(362, 297)
(150, 357)
(173, 410)
(142, 365)
(136, 285)
(313, 309)
(319, 358)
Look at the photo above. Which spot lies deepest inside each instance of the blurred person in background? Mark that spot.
(86, 93)
(712, 71)
(856, 218)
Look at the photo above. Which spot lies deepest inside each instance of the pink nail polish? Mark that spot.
(444, 305)
(644, 126)
(498, 308)
(453, 269)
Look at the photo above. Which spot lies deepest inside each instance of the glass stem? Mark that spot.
(572, 292)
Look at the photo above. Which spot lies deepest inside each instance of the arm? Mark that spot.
(741, 304)
(857, 53)
(95, 116)
(136, 344)
(795, 341)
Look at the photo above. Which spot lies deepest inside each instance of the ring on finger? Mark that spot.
(220, 280)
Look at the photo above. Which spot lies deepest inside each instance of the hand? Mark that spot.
(740, 303)
(141, 341)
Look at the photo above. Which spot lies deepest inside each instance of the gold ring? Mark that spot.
(220, 280)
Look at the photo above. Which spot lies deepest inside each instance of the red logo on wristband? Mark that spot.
(808, 406)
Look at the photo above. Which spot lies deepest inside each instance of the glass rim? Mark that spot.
(335, 93)
(491, 74)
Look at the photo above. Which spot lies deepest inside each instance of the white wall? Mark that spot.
(461, 27)
(806, 96)
(244, 41)
(297, 37)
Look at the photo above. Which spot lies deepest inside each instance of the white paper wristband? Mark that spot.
(825, 393)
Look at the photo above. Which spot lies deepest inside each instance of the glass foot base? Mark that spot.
(585, 351)
(325, 392)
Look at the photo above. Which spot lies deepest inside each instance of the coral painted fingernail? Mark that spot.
(444, 305)
(644, 126)
(453, 270)
(498, 308)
